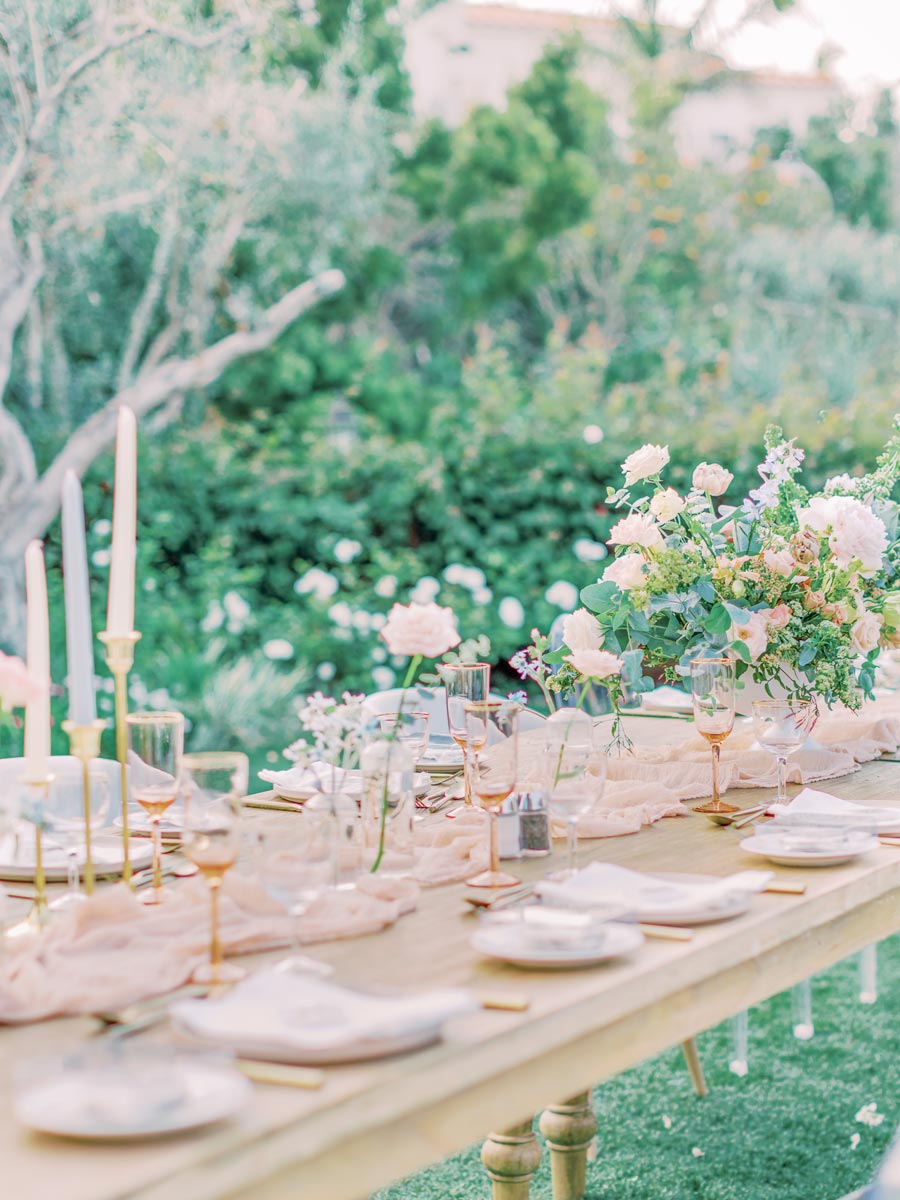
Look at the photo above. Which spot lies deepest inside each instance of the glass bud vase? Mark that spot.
(387, 808)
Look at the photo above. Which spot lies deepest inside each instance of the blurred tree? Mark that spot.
(159, 199)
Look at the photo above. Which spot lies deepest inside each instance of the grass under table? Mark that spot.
(786, 1131)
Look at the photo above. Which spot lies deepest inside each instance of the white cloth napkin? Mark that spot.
(666, 699)
(319, 776)
(606, 883)
(303, 1012)
(812, 804)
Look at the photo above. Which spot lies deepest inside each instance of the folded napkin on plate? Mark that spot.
(112, 950)
(811, 805)
(606, 883)
(297, 1012)
(319, 776)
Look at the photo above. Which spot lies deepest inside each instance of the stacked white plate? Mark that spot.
(554, 939)
(17, 858)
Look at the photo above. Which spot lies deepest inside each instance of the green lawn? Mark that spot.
(783, 1132)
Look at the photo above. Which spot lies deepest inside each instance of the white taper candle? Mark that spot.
(37, 713)
(120, 613)
(79, 635)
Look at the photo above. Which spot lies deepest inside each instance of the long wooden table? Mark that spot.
(374, 1123)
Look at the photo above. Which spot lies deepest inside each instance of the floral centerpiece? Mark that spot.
(798, 586)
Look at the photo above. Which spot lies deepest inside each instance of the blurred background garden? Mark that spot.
(634, 240)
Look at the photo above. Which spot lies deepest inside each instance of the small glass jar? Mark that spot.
(387, 808)
(534, 824)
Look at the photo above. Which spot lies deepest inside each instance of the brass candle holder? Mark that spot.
(120, 659)
(38, 790)
(84, 743)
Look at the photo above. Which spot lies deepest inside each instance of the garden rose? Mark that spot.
(837, 612)
(640, 464)
(581, 631)
(855, 534)
(18, 686)
(779, 562)
(626, 572)
(426, 629)
(595, 664)
(712, 478)
(754, 633)
(813, 601)
(638, 529)
(666, 505)
(865, 634)
(805, 546)
(778, 617)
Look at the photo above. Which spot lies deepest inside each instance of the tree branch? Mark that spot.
(143, 313)
(33, 513)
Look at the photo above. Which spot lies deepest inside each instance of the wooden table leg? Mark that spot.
(569, 1129)
(511, 1159)
(695, 1066)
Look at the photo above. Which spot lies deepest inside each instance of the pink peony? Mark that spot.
(638, 529)
(777, 617)
(595, 664)
(779, 562)
(425, 629)
(865, 634)
(649, 460)
(18, 686)
(855, 534)
(712, 478)
(626, 572)
(666, 505)
(754, 633)
(581, 631)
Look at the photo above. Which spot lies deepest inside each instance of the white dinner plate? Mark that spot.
(353, 789)
(139, 822)
(723, 909)
(73, 1105)
(787, 856)
(515, 944)
(106, 852)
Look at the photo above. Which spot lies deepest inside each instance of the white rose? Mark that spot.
(638, 529)
(425, 629)
(712, 478)
(649, 460)
(626, 572)
(754, 633)
(855, 534)
(865, 633)
(595, 664)
(666, 505)
(581, 631)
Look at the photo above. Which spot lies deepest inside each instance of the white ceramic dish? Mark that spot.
(106, 851)
(514, 944)
(63, 1105)
(787, 856)
(724, 909)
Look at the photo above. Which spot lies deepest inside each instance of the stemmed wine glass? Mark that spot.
(410, 728)
(464, 682)
(155, 749)
(781, 728)
(65, 802)
(297, 869)
(712, 689)
(493, 722)
(576, 774)
(213, 787)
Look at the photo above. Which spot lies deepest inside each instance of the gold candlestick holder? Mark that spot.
(120, 659)
(38, 791)
(84, 743)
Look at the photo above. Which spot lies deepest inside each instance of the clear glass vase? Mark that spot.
(386, 816)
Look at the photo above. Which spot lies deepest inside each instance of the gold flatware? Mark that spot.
(133, 1012)
(506, 898)
(733, 818)
(887, 840)
(748, 820)
(280, 1074)
(274, 805)
(512, 1002)
(667, 933)
(786, 888)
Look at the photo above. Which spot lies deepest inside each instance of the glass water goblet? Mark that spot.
(493, 722)
(65, 814)
(712, 691)
(155, 751)
(464, 682)
(781, 727)
(576, 774)
(297, 869)
(213, 785)
(410, 728)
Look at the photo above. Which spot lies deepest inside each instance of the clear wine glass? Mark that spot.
(410, 728)
(781, 728)
(155, 750)
(213, 785)
(297, 868)
(493, 723)
(712, 690)
(576, 774)
(464, 682)
(65, 813)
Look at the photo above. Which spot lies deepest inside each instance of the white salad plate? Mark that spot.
(516, 944)
(106, 852)
(775, 850)
(90, 1106)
